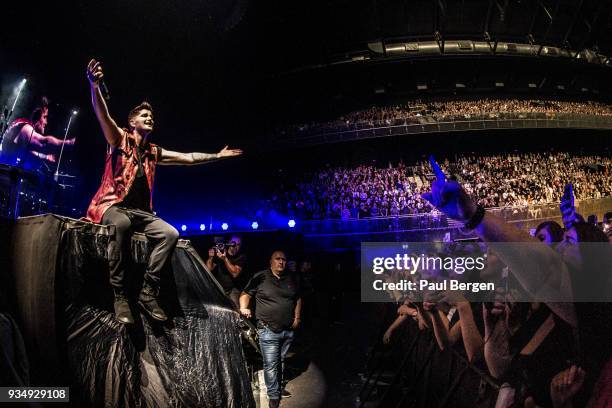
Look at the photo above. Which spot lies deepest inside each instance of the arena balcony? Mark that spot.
(443, 124)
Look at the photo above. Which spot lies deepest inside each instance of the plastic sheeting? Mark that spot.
(193, 360)
(14, 368)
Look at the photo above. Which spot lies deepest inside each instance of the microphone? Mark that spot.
(104, 90)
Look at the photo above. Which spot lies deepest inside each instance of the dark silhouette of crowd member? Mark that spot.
(607, 224)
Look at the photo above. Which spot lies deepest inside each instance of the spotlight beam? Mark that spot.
(7, 118)
(59, 160)
(21, 86)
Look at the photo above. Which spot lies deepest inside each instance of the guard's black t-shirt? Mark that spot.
(275, 298)
(223, 276)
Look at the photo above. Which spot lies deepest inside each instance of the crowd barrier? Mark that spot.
(529, 216)
(413, 372)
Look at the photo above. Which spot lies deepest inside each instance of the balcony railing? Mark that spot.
(435, 220)
(435, 124)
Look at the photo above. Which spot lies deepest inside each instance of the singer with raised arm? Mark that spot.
(124, 198)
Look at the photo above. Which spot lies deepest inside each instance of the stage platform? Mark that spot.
(56, 276)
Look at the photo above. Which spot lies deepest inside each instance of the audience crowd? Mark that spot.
(537, 351)
(516, 180)
(421, 112)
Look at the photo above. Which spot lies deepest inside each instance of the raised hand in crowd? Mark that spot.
(553, 280)
(567, 207)
(449, 197)
(407, 311)
(565, 385)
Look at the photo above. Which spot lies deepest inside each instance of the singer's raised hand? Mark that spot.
(94, 72)
(95, 75)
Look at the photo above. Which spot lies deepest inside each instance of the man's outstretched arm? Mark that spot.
(38, 141)
(170, 157)
(111, 131)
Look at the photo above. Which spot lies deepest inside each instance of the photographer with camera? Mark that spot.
(227, 262)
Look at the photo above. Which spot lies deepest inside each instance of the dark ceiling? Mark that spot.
(203, 62)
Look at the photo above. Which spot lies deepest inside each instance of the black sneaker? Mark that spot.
(286, 394)
(148, 302)
(274, 403)
(123, 314)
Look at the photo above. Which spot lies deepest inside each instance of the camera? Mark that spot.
(222, 246)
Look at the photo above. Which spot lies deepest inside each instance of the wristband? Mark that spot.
(475, 219)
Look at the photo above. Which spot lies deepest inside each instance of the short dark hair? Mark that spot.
(278, 250)
(37, 113)
(555, 230)
(144, 105)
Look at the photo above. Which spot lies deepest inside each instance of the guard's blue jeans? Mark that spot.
(274, 347)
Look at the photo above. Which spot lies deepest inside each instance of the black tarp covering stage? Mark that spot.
(63, 305)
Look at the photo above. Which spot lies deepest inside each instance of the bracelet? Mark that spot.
(476, 219)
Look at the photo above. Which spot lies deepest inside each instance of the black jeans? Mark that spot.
(160, 234)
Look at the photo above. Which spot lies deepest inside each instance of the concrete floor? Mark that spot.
(308, 390)
(326, 359)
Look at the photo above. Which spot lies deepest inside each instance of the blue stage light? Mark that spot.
(183, 227)
(224, 226)
(254, 225)
(291, 223)
(202, 227)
